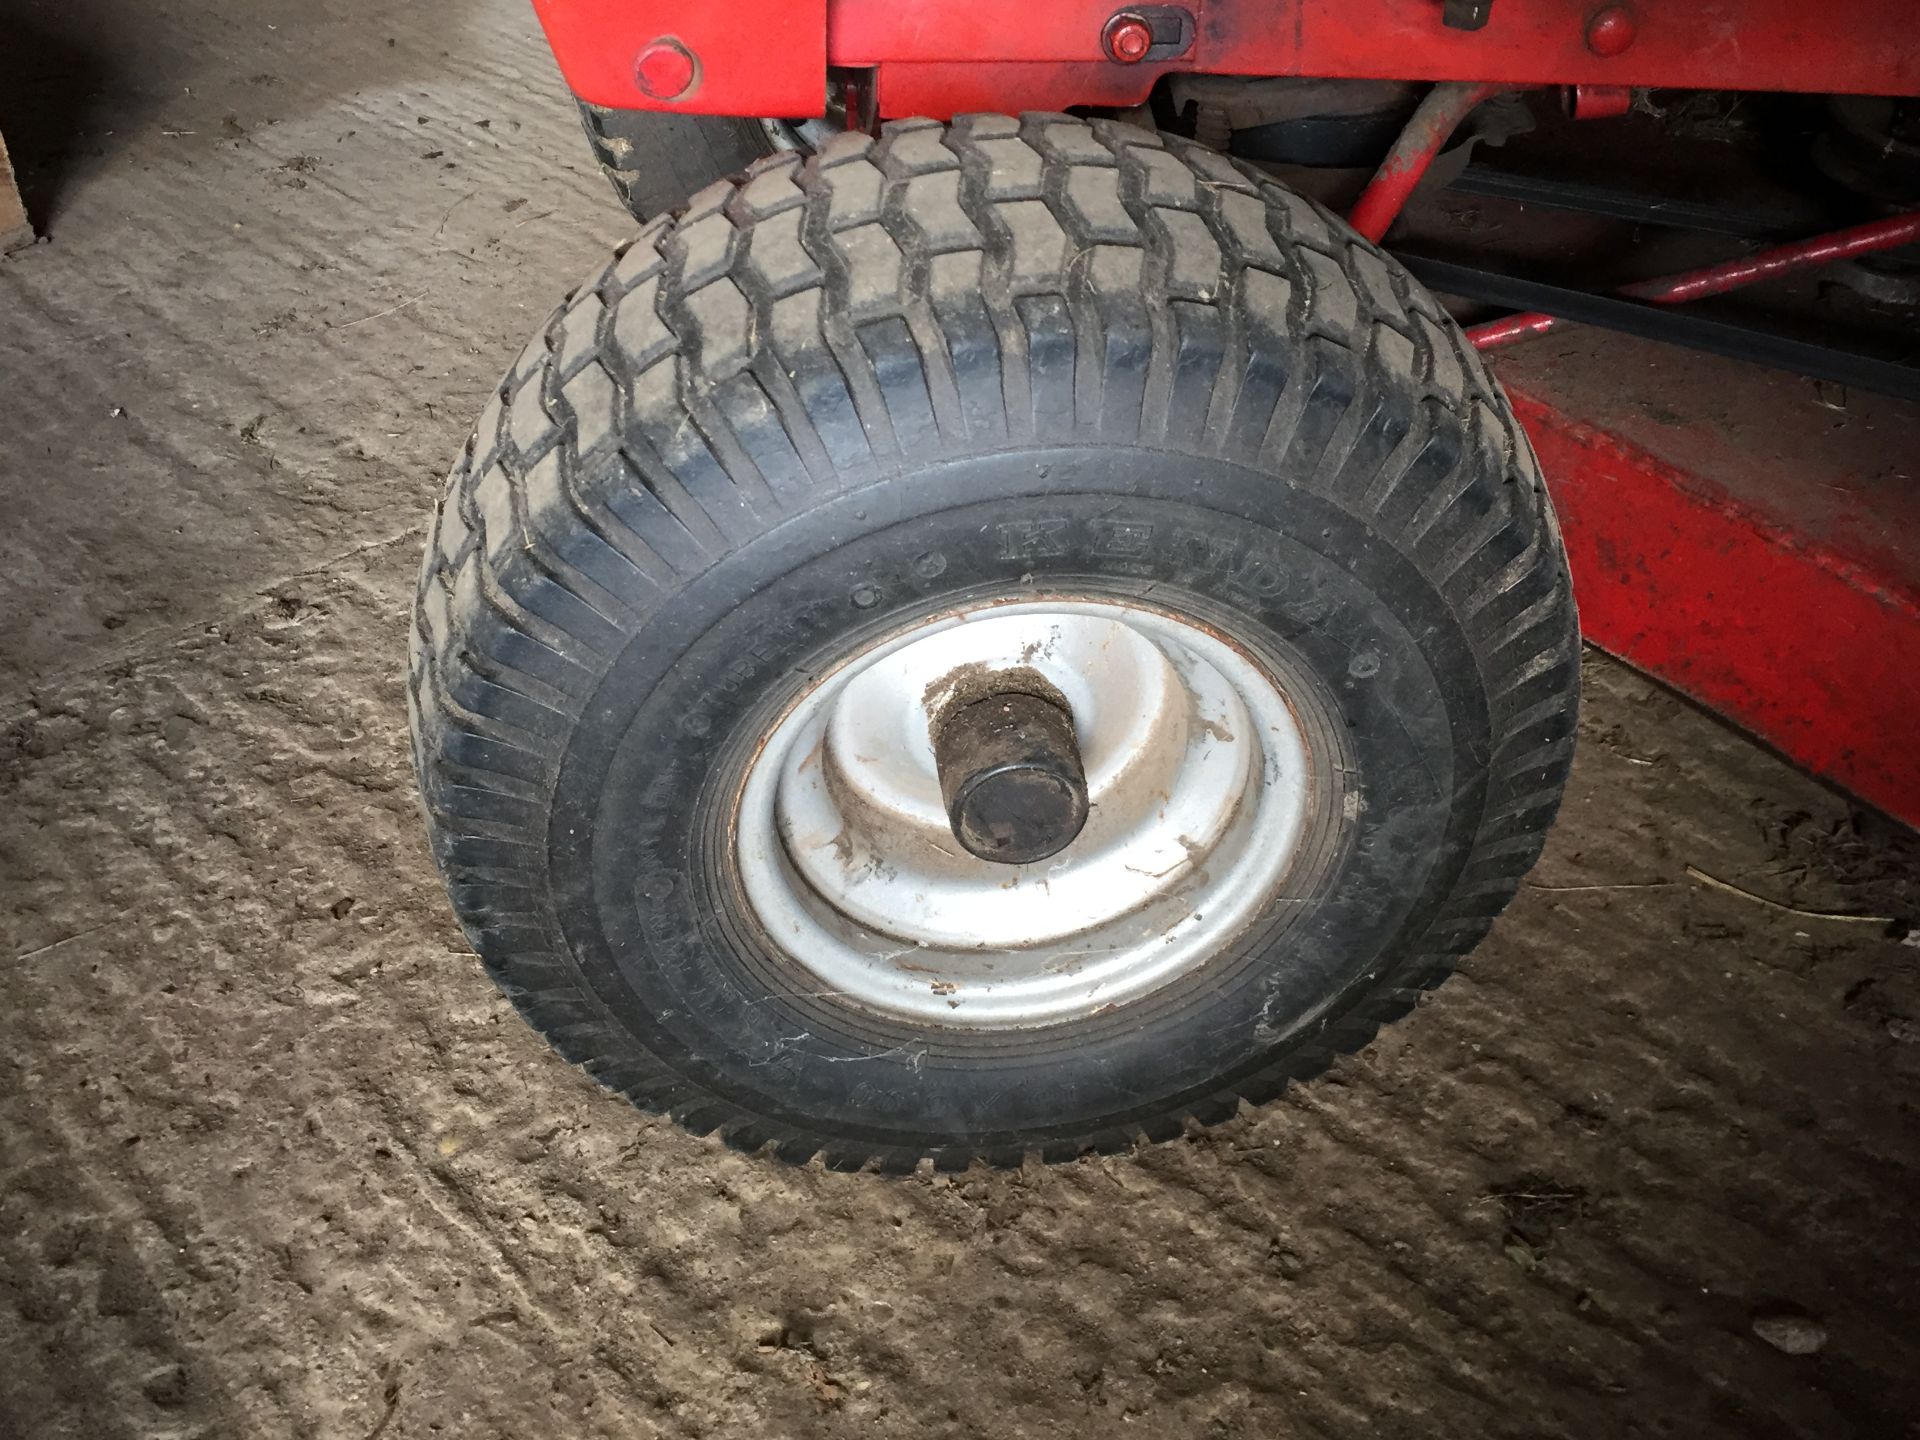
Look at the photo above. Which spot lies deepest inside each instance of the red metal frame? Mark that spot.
(1870, 239)
(942, 57)
(1771, 579)
(1439, 114)
(1780, 604)
(751, 57)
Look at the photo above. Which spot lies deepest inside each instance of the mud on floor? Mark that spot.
(276, 1160)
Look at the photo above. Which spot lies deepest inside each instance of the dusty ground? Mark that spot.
(275, 1160)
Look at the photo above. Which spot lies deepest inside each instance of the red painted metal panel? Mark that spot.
(1860, 46)
(753, 57)
(943, 90)
(869, 32)
(1811, 643)
(769, 57)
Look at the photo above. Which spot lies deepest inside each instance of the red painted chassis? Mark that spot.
(941, 58)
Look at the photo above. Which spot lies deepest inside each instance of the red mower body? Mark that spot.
(933, 57)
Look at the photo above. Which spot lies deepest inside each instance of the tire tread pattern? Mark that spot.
(942, 290)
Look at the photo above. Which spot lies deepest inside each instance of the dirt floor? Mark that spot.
(276, 1160)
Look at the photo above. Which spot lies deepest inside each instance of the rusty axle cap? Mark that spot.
(1011, 777)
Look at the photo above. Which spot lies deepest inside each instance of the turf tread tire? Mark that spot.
(944, 290)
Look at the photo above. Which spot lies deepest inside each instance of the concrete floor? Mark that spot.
(276, 1160)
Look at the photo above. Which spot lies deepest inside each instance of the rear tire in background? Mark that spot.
(655, 160)
(1060, 410)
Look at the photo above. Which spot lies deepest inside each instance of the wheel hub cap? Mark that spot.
(1019, 814)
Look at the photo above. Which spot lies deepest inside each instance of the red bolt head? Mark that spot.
(1610, 32)
(1129, 38)
(665, 69)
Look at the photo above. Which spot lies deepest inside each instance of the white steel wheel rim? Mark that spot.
(1200, 780)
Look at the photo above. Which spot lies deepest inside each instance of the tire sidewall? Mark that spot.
(640, 900)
